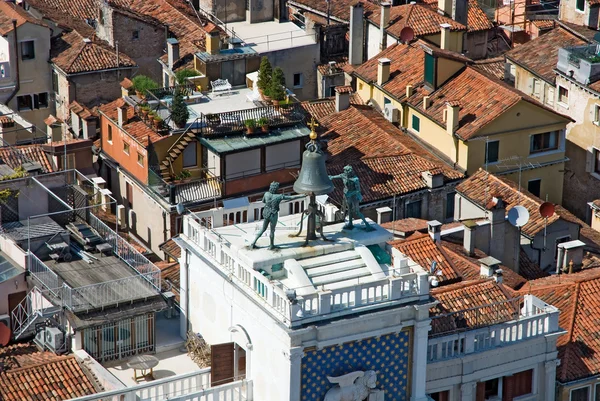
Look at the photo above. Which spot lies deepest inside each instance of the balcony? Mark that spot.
(186, 191)
(261, 274)
(474, 330)
(581, 63)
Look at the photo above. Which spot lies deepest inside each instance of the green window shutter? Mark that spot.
(429, 70)
(416, 123)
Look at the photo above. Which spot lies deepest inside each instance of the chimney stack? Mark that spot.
(213, 42)
(498, 276)
(426, 102)
(445, 7)
(385, 20)
(433, 180)
(452, 115)
(53, 130)
(384, 214)
(383, 71)
(409, 90)
(434, 228)
(570, 252)
(497, 209)
(172, 52)
(122, 113)
(355, 54)
(488, 266)
(445, 36)
(469, 236)
(342, 98)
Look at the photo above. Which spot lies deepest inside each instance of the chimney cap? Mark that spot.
(470, 223)
(445, 26)
(571, 244)
(172, 41)
(384, 60)
(386, 4)
(433, 224)
(489, 261)
(87, 40)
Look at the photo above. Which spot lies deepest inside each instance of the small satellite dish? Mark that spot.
(179, 208)
(4, 334)
(518, 216)
(546, 209)
(407, 34)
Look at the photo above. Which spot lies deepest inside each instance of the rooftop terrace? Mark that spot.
(271, 35)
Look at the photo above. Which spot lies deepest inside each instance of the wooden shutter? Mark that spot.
(129, 193)
(508, 387)
(523, 383)
(480, 392)
(221, 364)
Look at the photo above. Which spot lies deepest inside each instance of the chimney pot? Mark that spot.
(498, 276)
(571, 251)
(342, 98)
(213, 42)
(122, 115)
(452, 116)
(434, 228)
(488, 266)
(409, 90)
(384, 214)
(383, 71)
(355, 53)
(172, 52)
(445, 36)
(385, 20)
(426, 102)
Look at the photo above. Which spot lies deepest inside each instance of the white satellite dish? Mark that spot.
(518, 216)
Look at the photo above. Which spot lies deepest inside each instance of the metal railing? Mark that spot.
(124, 251)
(194, 190)
(222, 124)
(169, 91)
(44, 275)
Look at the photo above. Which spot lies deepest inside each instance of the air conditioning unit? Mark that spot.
(6, 320)
(54, 338)
(40, 338)
(391, 113)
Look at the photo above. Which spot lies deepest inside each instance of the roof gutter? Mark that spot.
(18, 83)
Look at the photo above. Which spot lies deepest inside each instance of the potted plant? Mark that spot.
(157, 122)
(141, 84)
(264, 76)
(277, 91)
(263, 123)
(183, 175)
(144, 110)
(179, 110)
(250, 125)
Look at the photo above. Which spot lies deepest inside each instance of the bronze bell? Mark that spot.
(313, 177)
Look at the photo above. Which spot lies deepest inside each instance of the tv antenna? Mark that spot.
(517, 162)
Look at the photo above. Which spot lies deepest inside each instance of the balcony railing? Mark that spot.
(193, 190)
(231, 122)
(169, 91)
(397, 288)
(535, 319)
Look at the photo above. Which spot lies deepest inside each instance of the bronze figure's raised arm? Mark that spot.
(352, 197)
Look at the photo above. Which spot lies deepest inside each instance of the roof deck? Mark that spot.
(271, 35)
(299, 285)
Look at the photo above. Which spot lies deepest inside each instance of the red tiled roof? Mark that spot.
(171, 248)
(61, 378)
(15, 156)
(544, 24)
(483, 301)
(492, 66)
(135, 127)
(10, 11)
(323, 107)
(576, 296)
(339, 9)
(423, 20)
(476, 18)
(20, 355)
(482, 100)
(407, 226)
(541, 54)
(72, 54)
(82, 111)
(339, 66)
(425, 251)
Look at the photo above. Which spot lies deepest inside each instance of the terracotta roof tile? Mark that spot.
(423, 20)
(544, 24)
(169, 274)
(541, 54)
(476, 18)
(324, 107)
(15, 156)
(60, 378)
(596, 204)
(135, 127)
(72, 54)
(492, 66)
(82, 110)
(339, 9)
(471, 304)
(127, 83)
(407, 226)
(338, 68)
(10, 11)
(171, 248)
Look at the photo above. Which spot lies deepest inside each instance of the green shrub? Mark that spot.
(179, 110)
(277, 91)
(142, 83)
(264, 74)
(182, 75)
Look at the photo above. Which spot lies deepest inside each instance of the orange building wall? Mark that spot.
(115, 150)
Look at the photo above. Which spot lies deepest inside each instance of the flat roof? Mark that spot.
(227, 54)
(224, 145)
(38, 227)
(209, 103)
(270, 36)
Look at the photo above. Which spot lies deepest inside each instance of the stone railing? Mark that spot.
(535, 319)
(398, 288)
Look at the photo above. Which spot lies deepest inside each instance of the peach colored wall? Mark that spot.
(115, 149)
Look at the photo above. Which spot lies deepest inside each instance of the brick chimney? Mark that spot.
(445, 36)
(452, 115)
(355, 54)
(385, 20)
(383, 70)
(342, 98)
(172, 51)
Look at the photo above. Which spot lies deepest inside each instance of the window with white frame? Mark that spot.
(580, 394)
(544, 142)
(563, 95)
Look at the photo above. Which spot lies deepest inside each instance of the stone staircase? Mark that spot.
(336, 270)
(174, 152)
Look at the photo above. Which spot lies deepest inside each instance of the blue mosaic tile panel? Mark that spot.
(388, 355)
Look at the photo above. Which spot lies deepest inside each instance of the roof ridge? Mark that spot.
(574, 314)
(460, 285)
(40, 364)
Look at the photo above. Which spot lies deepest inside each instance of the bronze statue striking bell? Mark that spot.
(313, 177)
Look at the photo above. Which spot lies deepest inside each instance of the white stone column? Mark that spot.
(184, 268)
(419, 372)
(550, 380)
(467, 391)
(295, 357)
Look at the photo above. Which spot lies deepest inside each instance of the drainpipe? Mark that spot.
(18, 85)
